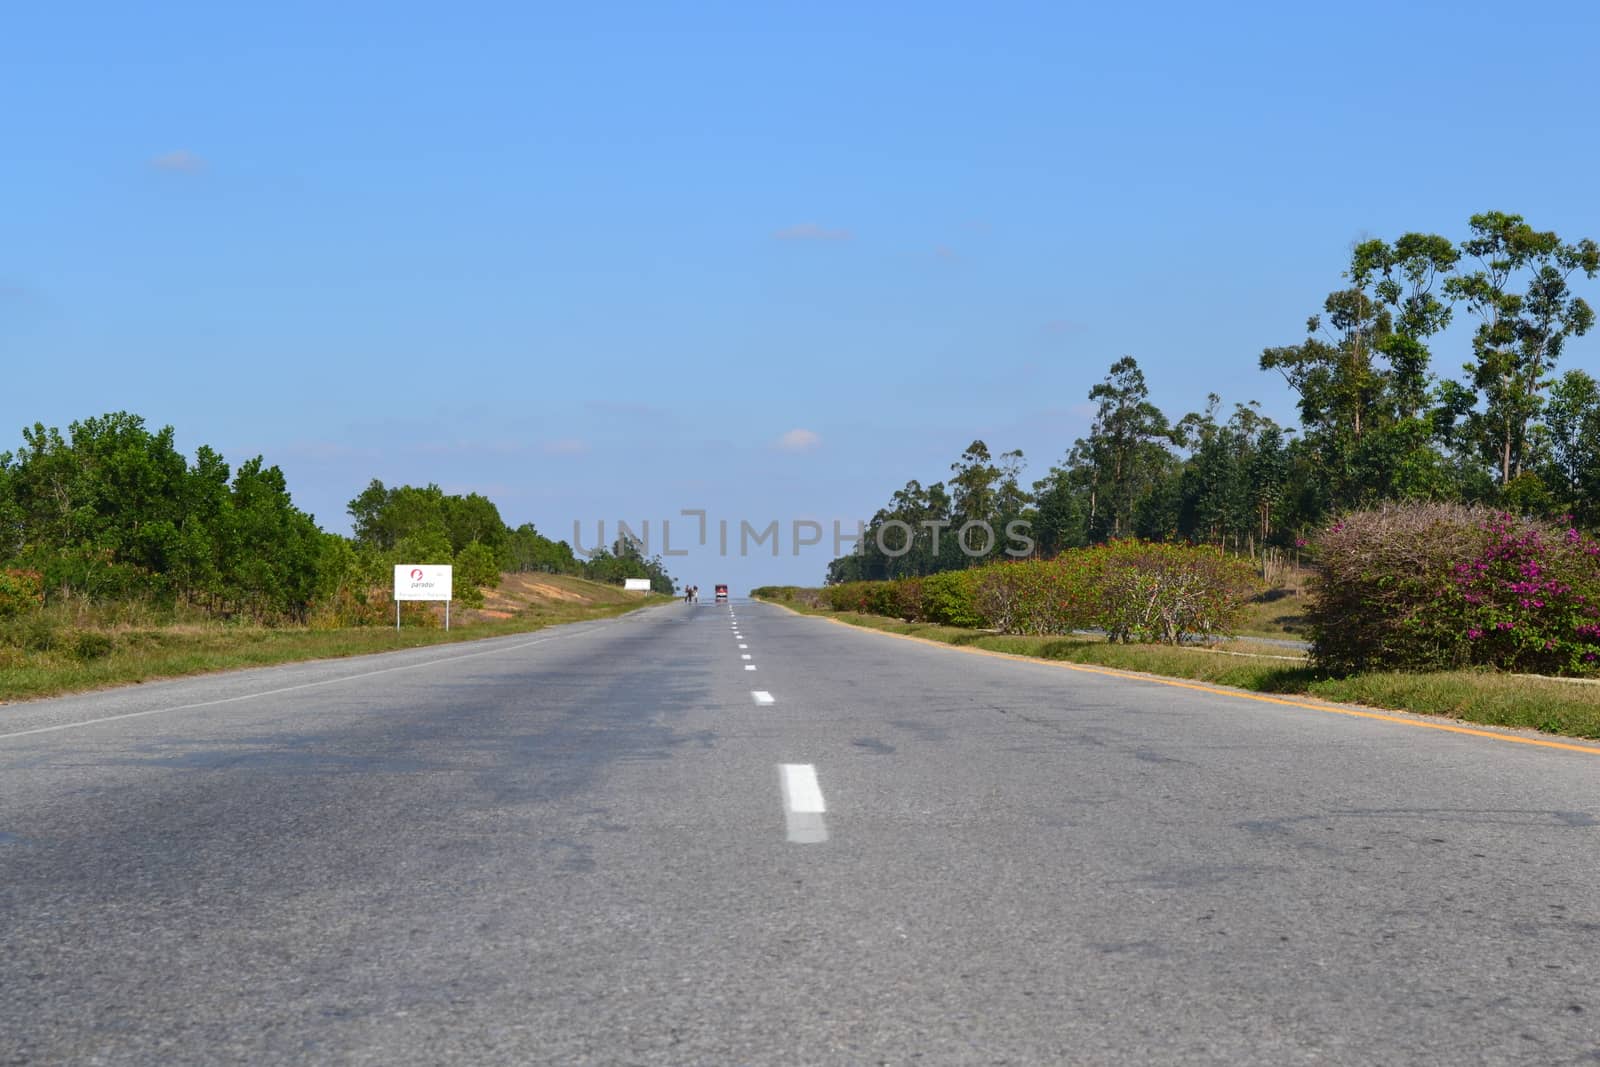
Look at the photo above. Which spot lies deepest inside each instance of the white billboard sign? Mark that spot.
(636, 585)
(421, 581)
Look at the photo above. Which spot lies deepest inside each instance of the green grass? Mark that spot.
(1553, 706)
(1275, 613)
(70, 661)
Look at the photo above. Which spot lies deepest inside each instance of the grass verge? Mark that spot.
(133, 655)
(1549, 705)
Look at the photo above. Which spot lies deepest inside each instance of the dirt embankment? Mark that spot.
(542, 593)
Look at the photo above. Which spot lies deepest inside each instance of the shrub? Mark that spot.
(476, 566)
(1530, 601)
(853, 596)
(882, 599)
(948, 598)
(350, 606)
(1134, 590)
(1036, 596)
(1376, 602)
(1434, 587)
(905, 596)
(36, 633)
(1166, 592)
(20, 592)
(91, 644)
(811, 598)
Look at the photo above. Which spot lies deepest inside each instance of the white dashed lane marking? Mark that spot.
(803, 806)
(761, 696)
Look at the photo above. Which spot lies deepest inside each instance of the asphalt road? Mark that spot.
(613, 843)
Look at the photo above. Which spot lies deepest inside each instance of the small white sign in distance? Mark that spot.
(636, 585)
(422, 581)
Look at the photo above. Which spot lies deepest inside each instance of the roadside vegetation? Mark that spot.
(66, 648)
(1426, 539)
(1506, 426)
(121, 560)
(1435, 609)
(1551, 705)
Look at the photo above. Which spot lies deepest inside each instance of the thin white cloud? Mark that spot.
(180, 160)
(945, 252)
(566, 446)
(799, 440)
(810, 231)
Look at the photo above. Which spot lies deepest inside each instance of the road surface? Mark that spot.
(624, 842)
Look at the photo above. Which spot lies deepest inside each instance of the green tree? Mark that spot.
(1333, 370)
(526, 549)
(204, 531)
(12, 528)
(1520, 334)
(473, 519)
(1126, 451)
(1401, 279)
(1061, 517)
(1265, 473)
(1569, 445)
(272, 549)
(476, 569)
(1366, 391)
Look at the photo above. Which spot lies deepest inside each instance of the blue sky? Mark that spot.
(768, 261)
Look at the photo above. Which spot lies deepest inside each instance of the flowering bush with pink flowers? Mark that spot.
(1435, 587)
(1531, 599)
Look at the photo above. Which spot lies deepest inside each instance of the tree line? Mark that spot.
(111, 510)
(1377, 423)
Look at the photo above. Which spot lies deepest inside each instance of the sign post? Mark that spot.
(422, 581)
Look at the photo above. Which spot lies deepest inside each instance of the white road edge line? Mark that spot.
(285, 689)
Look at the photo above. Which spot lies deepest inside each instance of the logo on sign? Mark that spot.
(416, 574)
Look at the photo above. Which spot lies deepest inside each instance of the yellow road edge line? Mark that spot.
(1203, 687)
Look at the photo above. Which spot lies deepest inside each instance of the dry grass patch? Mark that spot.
(51, 659)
